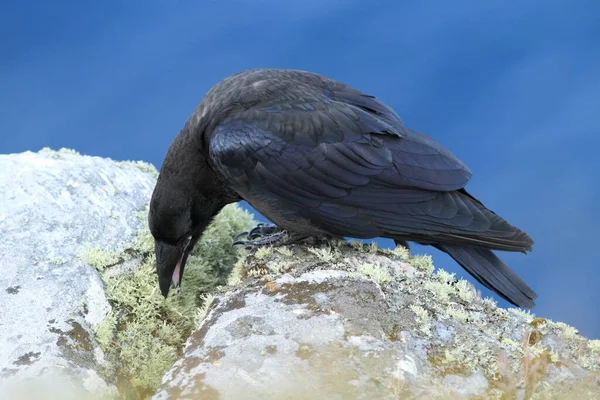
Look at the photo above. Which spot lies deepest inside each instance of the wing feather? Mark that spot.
(353, 168)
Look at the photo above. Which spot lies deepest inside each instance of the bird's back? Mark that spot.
(281, 88)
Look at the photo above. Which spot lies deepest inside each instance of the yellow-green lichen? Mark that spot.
(357, 245)
(144, 333)
(594, 346)
(568, 332)
(458, 313)
(285, 251)
(263, 252)
(421, 313)
(423, 318)
(445, 276)
(489, 303)
(106, 330)
(99, 258)
(465, 291)
(364, 247)
(422, 263)
(235, 276)
(325, 254)
(466, 357)
(440, 290)
(554, 357)
(376, 272)
(201, 311)
(373, 248)
(279, 266)
(141, 165)
(58, 153)
(525, 314)
(401, 252)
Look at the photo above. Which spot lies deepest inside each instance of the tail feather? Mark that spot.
(490, 271)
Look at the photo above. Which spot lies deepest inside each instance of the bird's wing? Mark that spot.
(357, 133)
(355, 168)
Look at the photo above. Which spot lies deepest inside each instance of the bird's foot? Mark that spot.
(273, 235)
(258, 231)
(267, 235)
(279, 238)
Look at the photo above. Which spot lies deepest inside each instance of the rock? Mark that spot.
(83, 317)
(53, 207)
(349, 321)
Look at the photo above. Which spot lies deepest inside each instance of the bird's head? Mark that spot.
(185, 200)
(176, 224)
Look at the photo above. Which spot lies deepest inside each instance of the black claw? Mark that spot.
(236, 237)
(263, 230)
(238, 242)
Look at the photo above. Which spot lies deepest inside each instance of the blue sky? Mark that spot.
(513, 88)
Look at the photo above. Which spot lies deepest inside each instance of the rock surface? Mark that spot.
(335, 321)
(348, 321)
(54, 205)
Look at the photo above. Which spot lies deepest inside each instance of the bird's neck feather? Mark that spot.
(187, 167)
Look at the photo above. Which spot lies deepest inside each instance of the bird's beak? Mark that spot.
(170, 264)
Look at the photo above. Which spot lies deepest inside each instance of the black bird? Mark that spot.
(320, 158)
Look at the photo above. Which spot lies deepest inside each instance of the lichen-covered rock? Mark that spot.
(349, 321)
(54, 207)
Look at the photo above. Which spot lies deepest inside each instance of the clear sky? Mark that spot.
(513, 88)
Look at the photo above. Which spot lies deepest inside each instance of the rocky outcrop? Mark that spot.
(54, 206)
(83, 317)
(82, 314)
(349, 321)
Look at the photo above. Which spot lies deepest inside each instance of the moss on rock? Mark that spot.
(59, 153)
(144, 333)
(141, 165)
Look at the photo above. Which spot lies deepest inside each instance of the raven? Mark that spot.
(320, 158)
